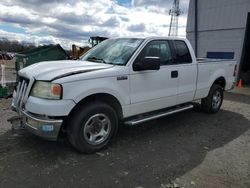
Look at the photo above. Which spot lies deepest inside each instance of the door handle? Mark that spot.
(174, 74)
(122, 77)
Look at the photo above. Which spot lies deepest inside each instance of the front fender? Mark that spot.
(79, 90)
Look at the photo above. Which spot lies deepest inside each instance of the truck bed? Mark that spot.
(209, 60)
(209, 70)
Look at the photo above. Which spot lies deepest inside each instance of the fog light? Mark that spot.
(48, 128)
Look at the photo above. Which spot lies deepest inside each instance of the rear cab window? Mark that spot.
(182, 53)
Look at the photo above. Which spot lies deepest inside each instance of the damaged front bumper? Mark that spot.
(45, 127)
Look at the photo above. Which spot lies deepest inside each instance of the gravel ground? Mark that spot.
(189, 149)
(5, 113)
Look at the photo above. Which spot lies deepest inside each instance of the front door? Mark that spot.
(154, 89)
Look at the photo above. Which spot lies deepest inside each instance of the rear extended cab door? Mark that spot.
(186, 65)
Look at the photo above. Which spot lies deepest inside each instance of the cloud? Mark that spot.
(38, 5)
(152, 3)
(111, 22)
(74, 19)
(137, 27)
(161, 5)
(69, 21)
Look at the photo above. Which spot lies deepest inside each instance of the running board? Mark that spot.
(155, 116)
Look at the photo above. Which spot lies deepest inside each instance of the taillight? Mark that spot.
(235, 70)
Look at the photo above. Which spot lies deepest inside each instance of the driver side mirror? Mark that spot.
(147, 63)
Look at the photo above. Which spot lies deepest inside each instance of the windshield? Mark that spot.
(113, 51)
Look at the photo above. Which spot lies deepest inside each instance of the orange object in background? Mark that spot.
(240, 84)
(78, 51)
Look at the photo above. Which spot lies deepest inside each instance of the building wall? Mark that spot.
(221, 25)
(219, 41)
(218, 14)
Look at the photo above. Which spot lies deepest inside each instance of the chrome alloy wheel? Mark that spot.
(97, 129)
(216, 100)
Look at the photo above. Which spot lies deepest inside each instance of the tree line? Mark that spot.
(14, 46)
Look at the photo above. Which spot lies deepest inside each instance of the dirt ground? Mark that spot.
(189, 149)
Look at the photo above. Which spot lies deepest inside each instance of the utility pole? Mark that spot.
(175, 12)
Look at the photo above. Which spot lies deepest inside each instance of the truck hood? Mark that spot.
(52, 70)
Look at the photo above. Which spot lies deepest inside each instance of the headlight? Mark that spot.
(46, 90)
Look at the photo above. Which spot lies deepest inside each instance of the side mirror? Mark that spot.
(147, 63)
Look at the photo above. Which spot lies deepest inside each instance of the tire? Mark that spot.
(92, 126)
(213, 102)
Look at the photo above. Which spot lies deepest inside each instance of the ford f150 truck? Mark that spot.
(127, 80)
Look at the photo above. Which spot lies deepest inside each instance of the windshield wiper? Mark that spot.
(97, 59)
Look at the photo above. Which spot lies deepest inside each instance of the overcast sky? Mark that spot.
(70, 21)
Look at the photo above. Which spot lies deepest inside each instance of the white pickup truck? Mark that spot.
(126, 80)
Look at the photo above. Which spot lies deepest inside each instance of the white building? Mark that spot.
(221, 29)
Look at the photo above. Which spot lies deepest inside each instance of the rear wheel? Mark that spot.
(92, 126)
(213, 102)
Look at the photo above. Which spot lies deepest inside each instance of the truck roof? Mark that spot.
(155, 37)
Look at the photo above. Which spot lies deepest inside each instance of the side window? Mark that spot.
(182, 52)
(159, 49)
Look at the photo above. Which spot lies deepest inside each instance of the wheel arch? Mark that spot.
(221, 81)
(102, 97)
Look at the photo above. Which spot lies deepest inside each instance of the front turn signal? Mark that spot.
(56, 90)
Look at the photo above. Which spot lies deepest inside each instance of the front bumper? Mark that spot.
(43, 127)
(41, 117)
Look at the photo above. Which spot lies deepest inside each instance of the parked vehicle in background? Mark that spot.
(130, 80)
(78, 51)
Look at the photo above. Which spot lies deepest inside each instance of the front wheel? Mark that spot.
(91, 127)
(213, 102)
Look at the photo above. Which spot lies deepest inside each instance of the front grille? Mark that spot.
(21, 93)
